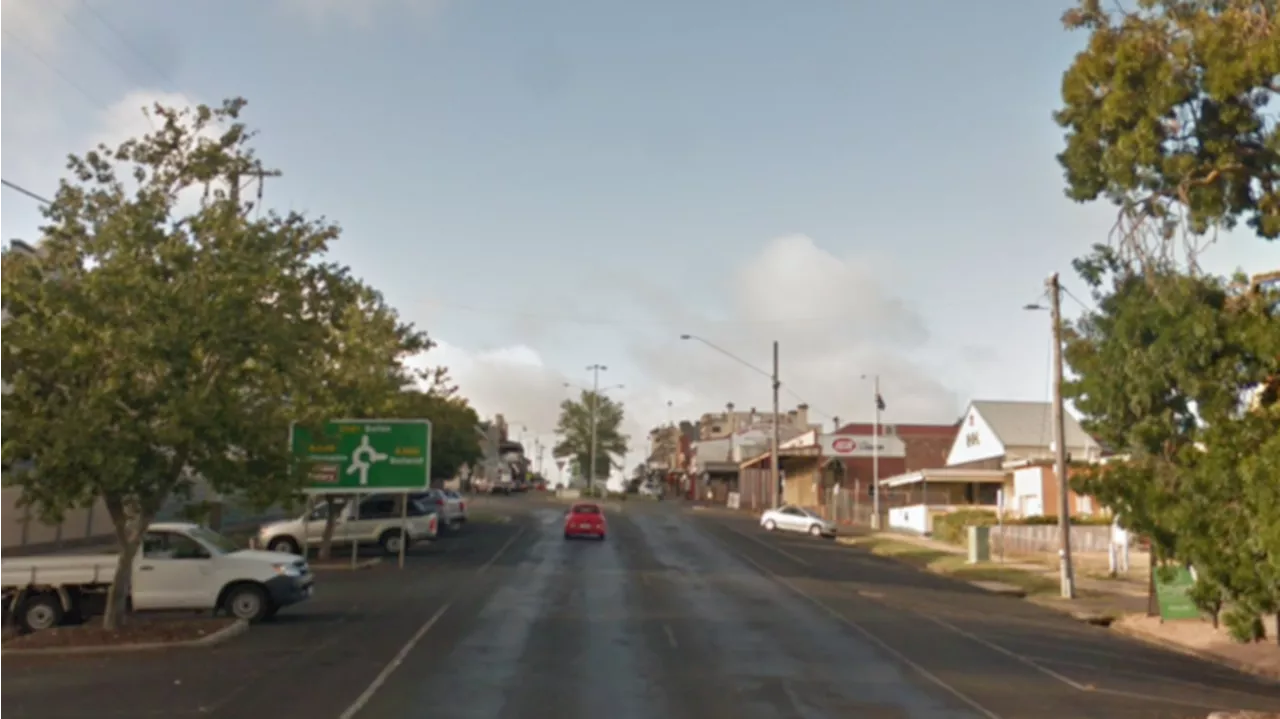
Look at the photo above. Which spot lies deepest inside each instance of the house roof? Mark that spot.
(1029, 424)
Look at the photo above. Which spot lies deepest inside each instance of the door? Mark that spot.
(172, 571)
(316, 521)
(374, 512)
(794, 520)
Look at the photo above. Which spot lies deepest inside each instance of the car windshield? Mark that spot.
(586, 509)
(214, 541)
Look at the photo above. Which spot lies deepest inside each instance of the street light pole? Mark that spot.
(1065, 569)
(777, 474)
(595, 400)
(1060, 442)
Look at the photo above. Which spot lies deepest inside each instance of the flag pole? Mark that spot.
(875, 460)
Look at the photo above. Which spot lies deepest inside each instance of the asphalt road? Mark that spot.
(675, 615)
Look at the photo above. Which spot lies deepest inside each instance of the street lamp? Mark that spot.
(595, 370)
(1066, 571)
(875, 462)
(773, 379)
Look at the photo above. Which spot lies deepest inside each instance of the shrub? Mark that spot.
(950, 527)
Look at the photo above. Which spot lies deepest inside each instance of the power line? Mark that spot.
(126, 42)
(618, 321)
(52, 68)
(22, 190)
(66, 16)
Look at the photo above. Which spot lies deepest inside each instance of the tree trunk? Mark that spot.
(128, 531)
(325, 552)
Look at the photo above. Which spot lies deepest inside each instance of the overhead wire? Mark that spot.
(124, 40)
(24, 191)
(93, 99)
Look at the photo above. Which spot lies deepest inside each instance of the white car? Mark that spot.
(651, 489)
(789, 518)
(179, 567)
(377, 522)
(449, 505)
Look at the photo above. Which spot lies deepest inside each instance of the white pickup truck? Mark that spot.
(180, 566)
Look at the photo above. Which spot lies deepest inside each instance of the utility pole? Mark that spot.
(1060, 442)
(875, 464)
(777, 475)
(595, 400)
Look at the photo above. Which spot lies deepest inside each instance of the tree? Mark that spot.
(1165, 367)
(363, 371)
(1166, 112)
(454, 440)
(574, 432)
(146, 349)
(639, 474)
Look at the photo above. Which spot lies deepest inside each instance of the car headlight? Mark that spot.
(287, 570)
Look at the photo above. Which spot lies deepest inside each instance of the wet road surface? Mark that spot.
(676, 615)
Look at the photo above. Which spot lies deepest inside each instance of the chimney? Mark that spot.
(802, 414)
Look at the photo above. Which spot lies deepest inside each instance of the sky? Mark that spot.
(548, 186)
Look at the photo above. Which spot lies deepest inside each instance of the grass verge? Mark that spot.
(953, 565)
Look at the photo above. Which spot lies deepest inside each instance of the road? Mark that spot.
(677, 614)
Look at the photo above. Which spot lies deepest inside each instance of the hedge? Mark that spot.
(951, 527)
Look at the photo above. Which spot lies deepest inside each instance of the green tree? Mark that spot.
(574, 432)
(1167, 112)
(363, 370)
(454, 439)
(146, 349)
(1164, 368)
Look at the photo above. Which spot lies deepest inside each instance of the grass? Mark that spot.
(953, 565)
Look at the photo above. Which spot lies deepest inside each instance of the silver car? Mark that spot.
(790, 518)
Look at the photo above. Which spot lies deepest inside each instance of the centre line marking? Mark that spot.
(671, 636)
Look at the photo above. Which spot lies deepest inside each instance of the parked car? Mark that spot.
(790, 518)
(585, 520)
(449, 505)
(180, 566)
(376, 522)
(651, 489)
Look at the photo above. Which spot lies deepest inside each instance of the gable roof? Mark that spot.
(1029, 424)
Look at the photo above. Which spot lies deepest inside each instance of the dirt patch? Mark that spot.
(137, 631)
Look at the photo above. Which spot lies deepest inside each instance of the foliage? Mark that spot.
(454, 440)
(1165, 366)
(574, 432)
(147, 346)
(1167, 116)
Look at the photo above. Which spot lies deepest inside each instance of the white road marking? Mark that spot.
(395, 662)
(948, 625)
(671, 636)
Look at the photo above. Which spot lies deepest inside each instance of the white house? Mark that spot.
(998, 434)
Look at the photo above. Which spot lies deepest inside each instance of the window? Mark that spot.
(379, 508)
(586, 509)
(169, 545)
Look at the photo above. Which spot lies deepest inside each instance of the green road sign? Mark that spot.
(1172, 585)
(365, 455)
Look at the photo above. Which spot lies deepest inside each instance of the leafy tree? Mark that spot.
(454, 440)
(146, 348)
(1165, 366)
(574, 432)
(1167, 116)
(363, 371)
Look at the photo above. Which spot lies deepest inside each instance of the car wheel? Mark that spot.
(815, 530)
(43, 611)
(390, 541)
(287, 545)
(770, 525)
(601, 537)
(248, 602)
(568, 536)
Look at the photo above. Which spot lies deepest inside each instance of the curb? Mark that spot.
(227, 633)
(1244, 715)
(1264, 672)
(345, 566)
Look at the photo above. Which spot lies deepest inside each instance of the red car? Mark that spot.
(585, 520)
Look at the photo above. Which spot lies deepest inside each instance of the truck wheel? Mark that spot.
(248, 602)
(390, 541)
(770, 525)
(43, 611)
(288, 545)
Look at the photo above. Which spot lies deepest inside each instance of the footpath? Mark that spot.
(1119, 603)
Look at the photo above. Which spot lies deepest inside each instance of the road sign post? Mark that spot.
(359, 456)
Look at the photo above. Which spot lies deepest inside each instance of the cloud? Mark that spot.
(835, 321)
(361, 13)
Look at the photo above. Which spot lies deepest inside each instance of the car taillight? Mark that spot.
(432, 524)
(439, 502)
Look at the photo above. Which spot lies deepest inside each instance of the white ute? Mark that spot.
(180, 566)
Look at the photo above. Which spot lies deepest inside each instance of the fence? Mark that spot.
(24, 534)
(1035, 538)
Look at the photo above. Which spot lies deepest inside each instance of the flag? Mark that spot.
(879, 402)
